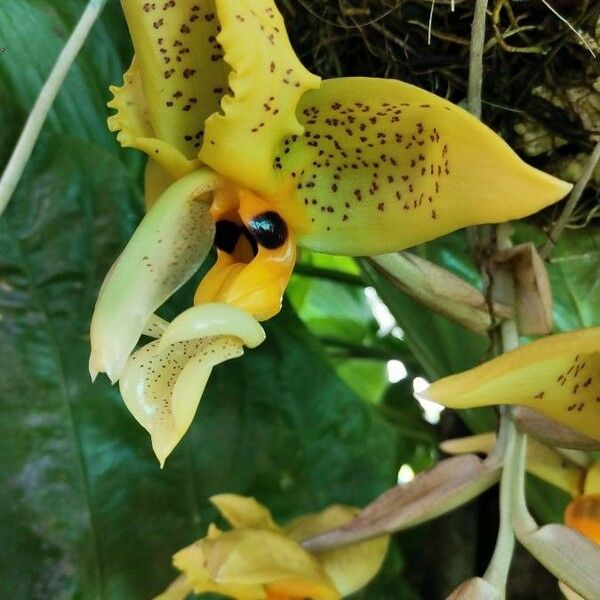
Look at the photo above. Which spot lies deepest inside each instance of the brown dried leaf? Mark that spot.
(438, 289)
(532, 288)
(449, 484)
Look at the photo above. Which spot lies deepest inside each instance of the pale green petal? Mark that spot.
(213, 319)
(162, 390)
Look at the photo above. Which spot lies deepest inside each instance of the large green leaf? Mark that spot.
(85, 508)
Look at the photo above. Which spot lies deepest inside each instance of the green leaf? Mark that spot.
(83, 496)
(574, 272)
(440, 346)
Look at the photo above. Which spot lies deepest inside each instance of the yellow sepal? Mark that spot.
(267, 81)
(180, 589)
(242, 511)
(384, 165)
(258, 557)
(558, 375)
(135, 130)
(192, 560)
(175, 83)
(350, 567)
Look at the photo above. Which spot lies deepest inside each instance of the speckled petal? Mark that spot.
(558, 375)
(176, 82)
(162, 390)
(267, 81)
(134, 129)
(383, 165)
(166, 249)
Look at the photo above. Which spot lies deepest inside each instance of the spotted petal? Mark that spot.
(175, 82)
(267, 81)
(162, 383)
(383, 165)
(558, 375)
(166, 249)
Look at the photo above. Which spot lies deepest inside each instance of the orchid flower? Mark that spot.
(251, 152)
(570, 471)
(558, 376)
(259, 560)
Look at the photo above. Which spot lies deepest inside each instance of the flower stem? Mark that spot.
(497, 571)
(41, 108)
(513, 442)
(576, 194)
(476, 58)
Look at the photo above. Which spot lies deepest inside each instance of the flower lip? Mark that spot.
(228, 234)
(256, 252)
(269, 229)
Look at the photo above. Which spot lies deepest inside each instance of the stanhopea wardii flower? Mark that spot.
(559, 376)
(251, 152)
(257, 559)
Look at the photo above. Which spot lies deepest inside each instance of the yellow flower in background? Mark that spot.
(571, 471)
(583, 513)
(559, 376)
(257, 559)
(543, 461)
(252, 153)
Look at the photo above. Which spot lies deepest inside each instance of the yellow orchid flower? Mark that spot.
(559, 376)
(547, 463)
(259, 560)
(249, 150)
